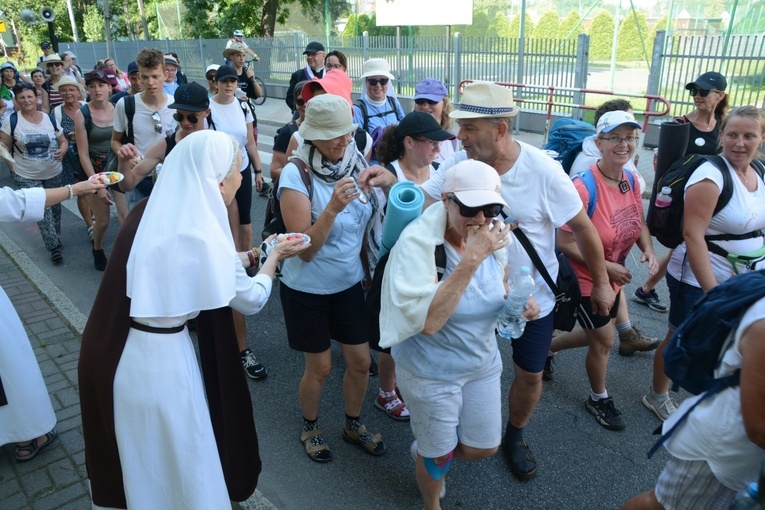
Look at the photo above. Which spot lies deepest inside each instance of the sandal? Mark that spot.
(522, 462)
(32, 448)
(373, 445)
(393, 406)
(315, 447)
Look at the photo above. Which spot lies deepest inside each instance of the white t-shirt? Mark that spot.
(144, 133)
(744, 213)
(590, 154)
(229, 118)
(714, 431)
(33, 148)
(542, 198)
(447, 149)
(337, 265)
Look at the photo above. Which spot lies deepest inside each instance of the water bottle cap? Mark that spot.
(753, 490)
(525, 270)
(666, 190)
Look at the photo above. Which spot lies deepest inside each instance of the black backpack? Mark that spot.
(365, 113)
(274, 222)
(697, 347)
(666, 223)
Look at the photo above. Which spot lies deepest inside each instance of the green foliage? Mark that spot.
(515, 26)
(569, 24)
(661, 24)
(499, 27)
(548, 26)
(93, 24)
(630, 46)
(479, 28)
(601, 36)
(491, 7)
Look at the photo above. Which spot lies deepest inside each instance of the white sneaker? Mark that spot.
(662, 408)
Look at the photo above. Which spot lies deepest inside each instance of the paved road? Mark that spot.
(581, 465)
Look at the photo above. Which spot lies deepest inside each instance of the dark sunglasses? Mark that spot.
(157, 118)
(489, 211)
(300, 101)
(375, 81)
(421, 101)
(192, 118)
(701, 92)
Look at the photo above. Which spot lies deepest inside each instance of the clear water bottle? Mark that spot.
(53, 146)
(661, 210)
(746, 499)
(510, 324)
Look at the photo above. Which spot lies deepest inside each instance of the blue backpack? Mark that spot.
(565, 138)
(588, 179)
(696, 348)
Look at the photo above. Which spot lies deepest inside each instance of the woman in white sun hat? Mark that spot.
(376, 109)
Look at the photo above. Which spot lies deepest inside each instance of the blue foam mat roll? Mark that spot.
(405, 202)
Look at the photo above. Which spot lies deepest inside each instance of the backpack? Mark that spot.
(373, 299)
(365, 113)
(666, 223)
(15, 120)
(274, 222)
(129, 113)
(588, 179)
(566, 138)
(697, 347)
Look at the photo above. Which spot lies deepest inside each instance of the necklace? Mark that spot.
(624, 186)
(743, 175)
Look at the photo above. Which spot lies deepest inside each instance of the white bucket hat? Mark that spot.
(376, 67)
(483, 99)
(326, 117)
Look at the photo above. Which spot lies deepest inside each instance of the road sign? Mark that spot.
(2, 26)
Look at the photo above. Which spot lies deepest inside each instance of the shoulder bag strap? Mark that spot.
(535, 259)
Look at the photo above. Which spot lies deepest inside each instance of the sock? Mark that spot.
(388, 395)
(309, 425)
(597, 396)
(659, 396)
(352, 423)
(624, 327)
(513, 434)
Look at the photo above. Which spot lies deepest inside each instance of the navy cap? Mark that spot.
(314, 47)
(709, 81)
(191, 97)
(226, 73)
(132, 68)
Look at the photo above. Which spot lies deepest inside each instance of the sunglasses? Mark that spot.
(421, 101)
(157, 122)
(701, 92)
(489, 211)
(375, 81)
(210, 77)
(300, 101)
(192, 118)
(56, 64)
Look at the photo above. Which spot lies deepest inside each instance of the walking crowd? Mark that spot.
(492, 207)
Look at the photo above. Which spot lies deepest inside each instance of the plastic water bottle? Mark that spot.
(53, 146)
(510, 324)
(662, 202)
(746, 499)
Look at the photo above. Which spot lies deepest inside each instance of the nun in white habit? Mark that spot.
(182, 261)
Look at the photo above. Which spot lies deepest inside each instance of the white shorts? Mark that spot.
(467, 410)
(691, 484)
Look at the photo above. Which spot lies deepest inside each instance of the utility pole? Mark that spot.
(71, 20)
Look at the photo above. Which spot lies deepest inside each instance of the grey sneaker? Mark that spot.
(252, 367)
(633, 341)
(650, 299)
(661, 407)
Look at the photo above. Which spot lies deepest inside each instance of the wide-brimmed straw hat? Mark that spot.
(326, 117)
(376, 67)
(474, 183)
(68, 80)
(234, 48)
(483, 99)
(53, 58)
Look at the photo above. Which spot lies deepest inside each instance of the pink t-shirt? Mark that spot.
(618, 218)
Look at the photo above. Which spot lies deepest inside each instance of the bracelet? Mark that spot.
(71, 191)
(258, 172)
(251, 256)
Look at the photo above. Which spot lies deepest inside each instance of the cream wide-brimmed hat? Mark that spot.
(482, 99)
(234, 48)
(376, 67)
(53, 58)
(68, 80)
(326, 117)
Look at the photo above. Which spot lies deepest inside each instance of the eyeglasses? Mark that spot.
(300, 101)
(375, 81)
(701, 92)
(421, 101)
(192, 117)
(331, 66)
(489, 211)
(618, 139)
(157, 122)
(433, 144)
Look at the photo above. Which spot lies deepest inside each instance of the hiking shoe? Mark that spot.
(393, 406)
(252, 367)
(265, 189)
(99, 260)
(548, 373)
(56, 256)
(606, 413)
(651, 299)
(661, 407)
(633, 341)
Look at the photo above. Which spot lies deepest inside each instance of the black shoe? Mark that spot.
(522, 462)
(56, 256)
(252, 367)
(265, 189)
(373, 368)
(99, 260)
(606, 413)
(650, 299)
(548, 372)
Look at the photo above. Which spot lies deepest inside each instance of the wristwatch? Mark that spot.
(258, 172)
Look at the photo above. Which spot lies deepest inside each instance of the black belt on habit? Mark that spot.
(158, 331)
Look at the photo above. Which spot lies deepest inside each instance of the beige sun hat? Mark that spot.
(52, 59)
(68, 80)
(326, 117)
(486, 99)
(234, 48)
(376, 67)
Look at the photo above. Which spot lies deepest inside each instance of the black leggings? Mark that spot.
(244, 197)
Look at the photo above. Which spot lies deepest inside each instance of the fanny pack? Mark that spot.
(747, 262)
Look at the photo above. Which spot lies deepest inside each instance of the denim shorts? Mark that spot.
(682, 296)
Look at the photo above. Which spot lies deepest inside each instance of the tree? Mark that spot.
(601, 36)
(633, 35)
(548, 26)
(499, 26)
(515, 26)
(571, 25)
(93, 23)
(659, 25)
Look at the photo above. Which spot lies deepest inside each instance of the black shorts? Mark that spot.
(313, 319)
(244, 197)
(530, 350)
(589, 321)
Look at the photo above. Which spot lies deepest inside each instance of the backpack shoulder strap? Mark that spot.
(56, 113)
(85, 110)
(759, 167)
(129, 113)
(361, 140)
(53, 120)
(440, 256)
(305, 175)
(727, 191)
(393, 107)
(210, 121)
(588, 179)
(14, 120)
(364, 113)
